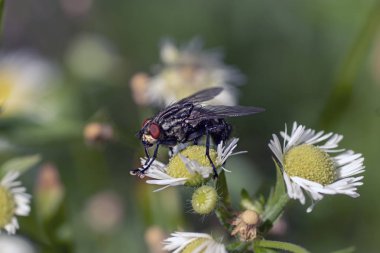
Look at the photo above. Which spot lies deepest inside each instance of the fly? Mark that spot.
(188, 120)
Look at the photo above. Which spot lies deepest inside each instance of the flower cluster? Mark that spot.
(308, 163)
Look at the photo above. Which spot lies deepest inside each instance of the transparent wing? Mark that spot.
(185, 105)
(221, 111)
(231, 111)
(201, 96)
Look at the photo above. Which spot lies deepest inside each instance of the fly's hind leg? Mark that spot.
(219, 133)
(208, 154)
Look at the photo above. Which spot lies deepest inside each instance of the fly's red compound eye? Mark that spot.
(145, 122)
(154, 130)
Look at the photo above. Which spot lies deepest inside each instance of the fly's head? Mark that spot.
(149, 133)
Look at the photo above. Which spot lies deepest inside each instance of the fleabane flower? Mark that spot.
(312, 164)
(187, 242)
(189, 166)
(14, 201)
(186, 70)
(26, 84)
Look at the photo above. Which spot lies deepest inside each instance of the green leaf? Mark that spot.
(248, 203)
(284, 246)
(238, 247)
(20, 164)
(222, 188)
(276, 203)
(346, 250)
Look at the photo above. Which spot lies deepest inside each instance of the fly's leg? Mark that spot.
(140, 173)
(171, 151)
(208, 154)
(147, 156)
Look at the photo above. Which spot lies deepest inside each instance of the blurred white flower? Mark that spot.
(92, 57)
(15, 244)
(308, 165)
(26, 82)
(14, 201)
(189, 69)
(190, 166)
(193, 243)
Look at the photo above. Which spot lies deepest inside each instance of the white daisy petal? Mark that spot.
(347, 164)
(20, 198)
(180, 240)
(158, 172)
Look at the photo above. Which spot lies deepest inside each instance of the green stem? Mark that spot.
(280, 245)
(224, 209)
(342, 90)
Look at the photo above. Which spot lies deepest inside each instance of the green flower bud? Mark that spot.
(204, 199)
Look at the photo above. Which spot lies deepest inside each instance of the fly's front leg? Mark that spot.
(147, 156)
(147, 164)
(208, 154)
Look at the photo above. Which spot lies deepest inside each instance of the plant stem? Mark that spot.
(223, 211)
(280, 245)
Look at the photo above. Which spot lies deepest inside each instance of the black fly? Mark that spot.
(187, 121)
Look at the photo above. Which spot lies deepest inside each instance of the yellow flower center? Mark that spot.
(6, 84)
(311, 163)
(191, 247)
(177, 169)
(7, 207)
(204, 199)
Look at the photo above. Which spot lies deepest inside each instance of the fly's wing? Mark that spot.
(183, 107)
(201, 96)
(232, 111)
(221, 111)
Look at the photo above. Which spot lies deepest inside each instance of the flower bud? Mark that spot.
(245, 225)
(96, 133)
(49, 191)
(204, 199)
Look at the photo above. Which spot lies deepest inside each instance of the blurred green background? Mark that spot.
(314, 62)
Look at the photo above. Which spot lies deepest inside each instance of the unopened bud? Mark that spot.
(95, 133)
(153, 238)
(204, 199)
(49, 191)
(139, 87)
(245, 225)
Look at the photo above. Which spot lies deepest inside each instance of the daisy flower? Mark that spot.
(184, 71)
(186, 242)
(190, 166)
(14, 201)
(311, 163)
(26, 83)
